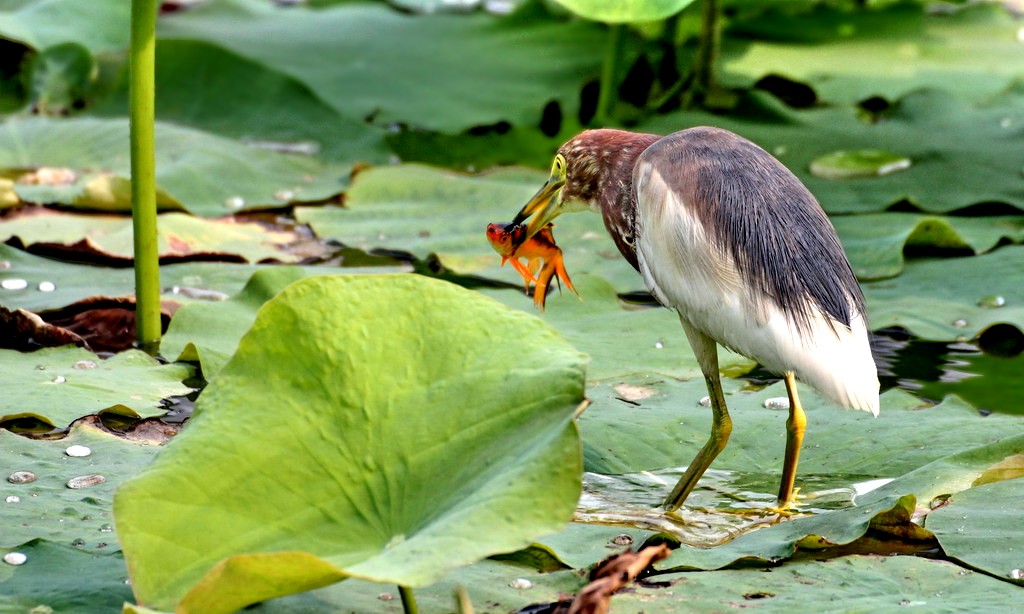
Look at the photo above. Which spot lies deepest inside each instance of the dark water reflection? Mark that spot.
(987, 372)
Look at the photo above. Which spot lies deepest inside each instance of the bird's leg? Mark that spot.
(721, 427)
(794, 438)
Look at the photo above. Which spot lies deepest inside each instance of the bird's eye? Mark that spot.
(558, 168)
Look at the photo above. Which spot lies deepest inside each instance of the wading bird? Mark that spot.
(727, 236)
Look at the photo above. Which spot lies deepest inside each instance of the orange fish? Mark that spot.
(543, 257)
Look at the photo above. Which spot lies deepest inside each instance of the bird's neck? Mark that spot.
(617, 199)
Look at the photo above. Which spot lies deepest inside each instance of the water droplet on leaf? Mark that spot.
(13, 499)
(960, 323)
(85, 364)
(858, 164)
(704, 401)
(15, 558)
(21, 477)
(46, 286)
(777, 403)
(85, 481)
(13, 284)
(623, 539)
(234, 202)
(78, 450)
(520, 583)
(992, 301)
(59, 379)
(106, 528)
(1016, 574)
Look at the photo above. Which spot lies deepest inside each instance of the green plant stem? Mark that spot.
(606, 95)
(709, 42)
(142, 93)
(408, 600)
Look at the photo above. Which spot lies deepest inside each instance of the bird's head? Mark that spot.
(585, 166)
(576, 176)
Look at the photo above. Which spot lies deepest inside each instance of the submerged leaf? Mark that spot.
(383, 427)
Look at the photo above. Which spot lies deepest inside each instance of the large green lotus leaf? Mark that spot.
(63, 579)
(60, 385)
(209, 332)
(99, 25)
(973, 51)
(942, 477)
(625, 11)
(207, 174)
(185, 282)
(423, 210)
(413, 418)
(488, 70)
(847, 584)
(620, 340)
(249, 101)
(981, 526)
(180, 235)
(875, 242)
(949, 298)
(46, 508)
(942, 136)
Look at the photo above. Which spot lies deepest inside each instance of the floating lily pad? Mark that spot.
(942, 477)
(850, 583)
(180, 236)
(981, 527)
(921, 127)
(858, 164)
(234, 176)
(875, 243)
(898, 48)
(939, 298)
(619, 340)
(46, 508)
(60, 385)
(371, 408)
(74, 580)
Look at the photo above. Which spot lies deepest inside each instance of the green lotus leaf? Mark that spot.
(251, 102)
(848, 584)
(384, 427)
(233, 176)
(921, 127)
(100, 26)
(209, 332)
(185, 282)
(625, 11)
(60, 385)
(488, 70)
(940, 478)
(621, 340)
(46, 508)
(875, 242)
(950, 298)
(981, 526)
(180, 235)
(64, 579)
(898, 48)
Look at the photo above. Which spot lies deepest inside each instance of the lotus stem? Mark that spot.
(606, 95)
(408, 600)
(142, 75)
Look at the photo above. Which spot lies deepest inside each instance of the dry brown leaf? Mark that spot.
(612, 574)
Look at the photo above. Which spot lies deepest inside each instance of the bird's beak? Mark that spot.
(543, 207)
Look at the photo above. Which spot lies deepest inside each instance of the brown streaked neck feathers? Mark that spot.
(600, 174)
